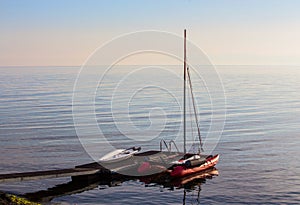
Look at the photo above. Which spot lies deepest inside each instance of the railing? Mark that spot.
(169, 148)
(166, 145)
(170, 145)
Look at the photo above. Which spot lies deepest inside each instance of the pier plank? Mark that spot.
(36, 175)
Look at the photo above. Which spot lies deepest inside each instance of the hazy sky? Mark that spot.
(66, 32)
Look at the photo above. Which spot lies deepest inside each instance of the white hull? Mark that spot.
(118, 155)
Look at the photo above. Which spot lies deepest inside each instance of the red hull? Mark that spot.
(180, 171)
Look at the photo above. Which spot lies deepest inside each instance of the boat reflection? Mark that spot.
(188, 184)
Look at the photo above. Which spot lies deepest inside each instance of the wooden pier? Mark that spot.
(87, 171)
(82, 170)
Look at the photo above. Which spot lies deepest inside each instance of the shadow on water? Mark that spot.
(191, 183)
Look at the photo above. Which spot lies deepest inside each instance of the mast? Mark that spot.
(184, 94)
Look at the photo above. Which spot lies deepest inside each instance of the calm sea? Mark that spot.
(259, 145)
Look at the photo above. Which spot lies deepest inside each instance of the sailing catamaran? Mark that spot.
(175, 163)
(191, 163)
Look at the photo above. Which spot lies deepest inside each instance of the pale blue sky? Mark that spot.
(66, 32)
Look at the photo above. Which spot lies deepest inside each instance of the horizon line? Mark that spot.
(2, 66)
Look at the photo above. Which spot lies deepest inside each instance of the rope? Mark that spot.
(191, 118)
(195, 110)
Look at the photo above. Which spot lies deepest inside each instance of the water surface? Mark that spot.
(259, 146)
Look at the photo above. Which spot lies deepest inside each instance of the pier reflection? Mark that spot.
(189, 184)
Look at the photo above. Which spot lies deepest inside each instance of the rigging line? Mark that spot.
(191, 118)
(195, 110)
